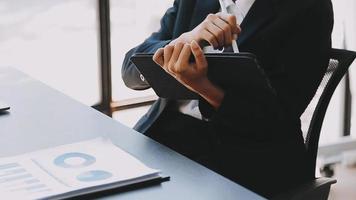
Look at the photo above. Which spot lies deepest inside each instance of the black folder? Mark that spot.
(224, 69)
(4, 107)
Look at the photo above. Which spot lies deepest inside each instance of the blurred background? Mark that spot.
(77, 47)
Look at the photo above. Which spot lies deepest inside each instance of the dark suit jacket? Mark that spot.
(291, 40)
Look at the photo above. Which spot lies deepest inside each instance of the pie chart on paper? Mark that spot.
(94, 175)
(74, 160)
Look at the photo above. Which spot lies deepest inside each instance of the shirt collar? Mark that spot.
(245, 5)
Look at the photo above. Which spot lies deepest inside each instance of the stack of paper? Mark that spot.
(70, 170)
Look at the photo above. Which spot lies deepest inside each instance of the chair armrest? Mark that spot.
(317, 189)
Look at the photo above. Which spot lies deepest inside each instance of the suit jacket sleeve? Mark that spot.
(259, 113)
(129, 72)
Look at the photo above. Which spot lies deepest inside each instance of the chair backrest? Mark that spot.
(340, 60)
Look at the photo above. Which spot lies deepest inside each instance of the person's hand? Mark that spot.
(175, 60)
(216, 30)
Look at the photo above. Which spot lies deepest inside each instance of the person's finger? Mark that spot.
(210, 38)
(211, 17)
(198, 53)
(183, 60)
(226, 28)
(217, 32)
(168, 50)
(231, 20)
(177, 49)
(158, 57)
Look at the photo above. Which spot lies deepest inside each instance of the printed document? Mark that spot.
(70, 170)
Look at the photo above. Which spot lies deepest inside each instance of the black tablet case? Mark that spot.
(224, 69)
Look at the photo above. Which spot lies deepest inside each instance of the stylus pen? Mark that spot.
(235, 48)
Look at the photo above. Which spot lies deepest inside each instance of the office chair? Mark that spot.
(319, 188)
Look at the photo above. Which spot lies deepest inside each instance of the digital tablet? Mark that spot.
(224, 69)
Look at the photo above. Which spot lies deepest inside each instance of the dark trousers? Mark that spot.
(186, 135)
(265, 168)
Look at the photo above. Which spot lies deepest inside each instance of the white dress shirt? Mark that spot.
(240, 9)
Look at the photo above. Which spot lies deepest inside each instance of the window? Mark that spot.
(132, 21)
(55, 41)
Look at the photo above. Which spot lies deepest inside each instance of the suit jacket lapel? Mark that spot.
(202, 9)
(259, 15)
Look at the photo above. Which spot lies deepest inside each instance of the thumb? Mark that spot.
(198, 53)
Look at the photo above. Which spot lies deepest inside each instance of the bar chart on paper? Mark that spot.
(19, 179)
(14, 178)
(70, 170)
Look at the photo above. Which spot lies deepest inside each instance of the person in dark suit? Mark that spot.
(250, 135)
